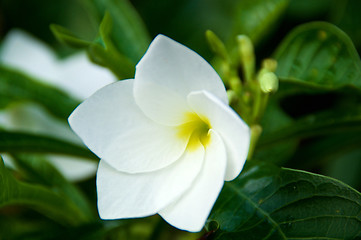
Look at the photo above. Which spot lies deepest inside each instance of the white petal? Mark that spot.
(33, 118)
(123, 195)
(82, 78)
(113, 127)
(5, 119)
(24, 52)
(233, 130)
(75, 74)
(191, 211)
(160, 104)
(8, 161)
(166, 74)
(73, 169)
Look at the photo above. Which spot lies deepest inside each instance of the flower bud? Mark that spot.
(269, 64)
(247, 57)
(217, 45)
(268, 82)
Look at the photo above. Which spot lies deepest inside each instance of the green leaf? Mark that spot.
(66, 37)
(255, 18)
(23, 229)
(320, 56)
(102, 51)
(345, 167)
(337, 156)
(327, 122)
(188, 20)
(51, 204)
(266, 202)
(309, 9)
(274, 117)
(128, 33)
(16, 87)
(320, 151)
(345, 15)
(19, 142)
(37, 169)
(106, 54)
(273, 120)
(316, 58)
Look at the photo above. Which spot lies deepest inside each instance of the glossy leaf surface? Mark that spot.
(318, 55)
(266, 202)
(51, 204)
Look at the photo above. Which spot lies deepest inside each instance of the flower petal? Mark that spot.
(123, 195)
(160, 104)
(73, 169)
(113, 127)
(75, 74)
(234, 132)
(191, 211)
(80, 77)
(24, 52)
(166, 74)
(31, 117)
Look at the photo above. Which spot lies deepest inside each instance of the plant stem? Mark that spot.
(256, 131)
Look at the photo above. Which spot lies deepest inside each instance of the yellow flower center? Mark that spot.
(195, 130)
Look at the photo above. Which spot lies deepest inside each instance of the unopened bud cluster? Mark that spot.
(248, 90)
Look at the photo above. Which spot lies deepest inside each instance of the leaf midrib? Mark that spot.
(274, 223)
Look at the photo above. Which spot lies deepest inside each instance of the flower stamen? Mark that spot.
(195, 130)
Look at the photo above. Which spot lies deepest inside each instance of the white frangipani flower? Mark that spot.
(167, 139)
(75, 75)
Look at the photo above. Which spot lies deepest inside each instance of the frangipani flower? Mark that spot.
(167, 139)
(75, 75)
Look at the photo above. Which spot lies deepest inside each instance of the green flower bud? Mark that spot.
(217, 45)
(268, 82)
(246, 53)
(269, 64)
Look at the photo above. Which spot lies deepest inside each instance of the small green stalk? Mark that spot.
(247, 58)
(256, 131)
(250, 97)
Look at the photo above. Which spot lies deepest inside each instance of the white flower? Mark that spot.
(75, 75)
(167, 139)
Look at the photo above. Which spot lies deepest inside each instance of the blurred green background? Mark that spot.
(184, 20)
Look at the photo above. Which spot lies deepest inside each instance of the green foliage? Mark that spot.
(50, 203)
(122, 39)
(17, 87)
(274, 120)
(187, 20)
(37, 169)
(106, 54)
(316, 61)
(266, 202)
(20, 142)
(66, 37)
(102, 51)
(257, 18)
(128, 33)
(319, 56)
(327, 122)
